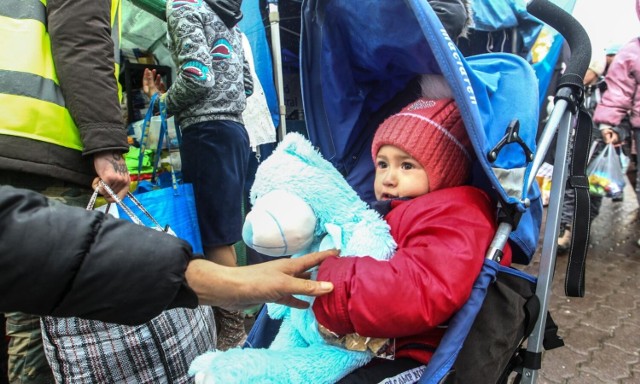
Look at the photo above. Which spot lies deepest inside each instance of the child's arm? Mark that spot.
(428, 279)
(195, 78)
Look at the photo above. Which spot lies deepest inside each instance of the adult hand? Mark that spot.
(270, 282)
(152, 83)
(112, 169)
(609, 135)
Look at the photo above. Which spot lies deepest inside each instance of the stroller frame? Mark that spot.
(568, 98)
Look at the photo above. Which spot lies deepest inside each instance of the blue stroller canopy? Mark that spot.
(357, 56)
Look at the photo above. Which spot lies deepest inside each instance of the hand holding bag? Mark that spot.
(605, 173)
(171, 204)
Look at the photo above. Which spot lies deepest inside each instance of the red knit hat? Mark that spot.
(433, 133)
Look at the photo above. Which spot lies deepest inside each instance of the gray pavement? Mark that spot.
(601, 331)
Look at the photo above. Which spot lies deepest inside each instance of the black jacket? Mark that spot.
(66, 261)
(455, 16)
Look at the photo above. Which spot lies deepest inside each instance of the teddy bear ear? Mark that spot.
(333, 239)
(299, 146)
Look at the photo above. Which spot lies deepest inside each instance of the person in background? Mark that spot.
(208, 99)
(622, 98)
(61, 125)
(598, 69)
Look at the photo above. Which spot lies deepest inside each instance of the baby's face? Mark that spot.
(398, 175)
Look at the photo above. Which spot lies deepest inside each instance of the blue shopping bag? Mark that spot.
(171, 207)
(169, 203)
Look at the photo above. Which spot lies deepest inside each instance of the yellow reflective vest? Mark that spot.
(31, 102)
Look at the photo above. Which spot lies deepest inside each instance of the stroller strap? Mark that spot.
(574, 280)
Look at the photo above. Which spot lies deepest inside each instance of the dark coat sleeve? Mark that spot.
(66, 261)
(454, 15)
(84, 55)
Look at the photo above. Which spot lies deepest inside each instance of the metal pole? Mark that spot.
(561, 118)
(274, 21)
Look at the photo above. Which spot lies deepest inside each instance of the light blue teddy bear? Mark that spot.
(301, 204)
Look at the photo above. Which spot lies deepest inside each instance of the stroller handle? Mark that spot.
(570, 29)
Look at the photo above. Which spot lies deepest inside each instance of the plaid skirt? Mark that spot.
(160, 351)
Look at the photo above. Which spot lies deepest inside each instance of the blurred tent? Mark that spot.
(144, 30)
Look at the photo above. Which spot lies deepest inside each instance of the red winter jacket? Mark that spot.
(442, 239)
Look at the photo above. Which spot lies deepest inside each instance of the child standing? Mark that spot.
(207, 99)
(422, 157)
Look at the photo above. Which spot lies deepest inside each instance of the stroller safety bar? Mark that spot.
(568, 98)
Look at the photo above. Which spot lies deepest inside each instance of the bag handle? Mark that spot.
(164, 128)
(163, 133)
(101, 184)
(163, 112)
(162, 106)
(146, 126)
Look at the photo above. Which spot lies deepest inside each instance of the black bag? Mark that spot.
(506, 318)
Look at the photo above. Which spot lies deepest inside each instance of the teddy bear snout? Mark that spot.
(279, 224)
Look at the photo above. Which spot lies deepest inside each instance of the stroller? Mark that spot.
(351, 82)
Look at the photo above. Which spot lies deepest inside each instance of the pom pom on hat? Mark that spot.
(433, 133)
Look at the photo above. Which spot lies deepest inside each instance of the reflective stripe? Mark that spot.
(38, 120)
(31, 102)
(30, 85)
(24, 9)
(116, 44)
(26, 47)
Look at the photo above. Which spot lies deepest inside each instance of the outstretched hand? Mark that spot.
(152, 83)
(270, 282)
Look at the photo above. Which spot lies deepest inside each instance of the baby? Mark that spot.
(443, 227)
